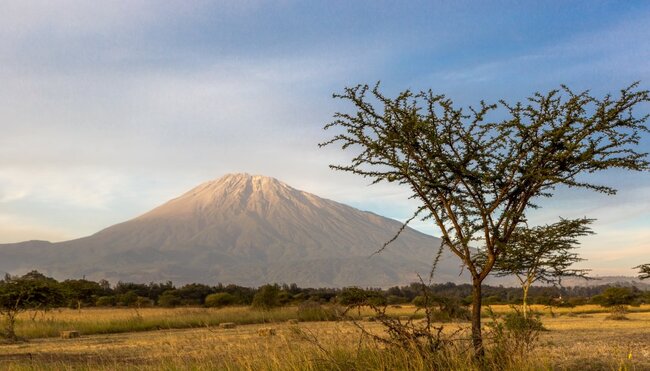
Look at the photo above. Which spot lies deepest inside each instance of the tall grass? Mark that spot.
(89, 321)
(290, 351)
(105, 321)
(572, 343)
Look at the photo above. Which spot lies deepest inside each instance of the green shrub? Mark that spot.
(106, 301)
(442, 308)
(267, 297)
(314, 311)
(613, 296)
(128, 299)
(513, 335)
(220, 300)
(169, 299)
(577, 301)
(142, 302)
(394, 299)
(419, 301)
(355, 296)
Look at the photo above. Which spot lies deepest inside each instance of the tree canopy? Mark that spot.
(543, 253)
(475, 176)
(30, 291)
(644, 271)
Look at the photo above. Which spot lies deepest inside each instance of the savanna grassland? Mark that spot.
(189, 338)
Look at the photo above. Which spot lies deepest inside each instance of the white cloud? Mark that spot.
(103, 123)
(89, 188)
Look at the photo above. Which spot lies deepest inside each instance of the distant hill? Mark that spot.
(247, 230)
(608, 280)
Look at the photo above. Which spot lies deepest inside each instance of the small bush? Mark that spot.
(169, 299)
(577, 301)
(618, 313)
(513, 335)
(442, 308)
(393, 299)
(128, 299)
(614, 296)
(314, 311)
(220, 300)
(142, 302)
(355, 296)
(106, 301)
(267, 297)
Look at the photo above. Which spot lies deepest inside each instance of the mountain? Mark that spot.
(623, 281)
(247, 230)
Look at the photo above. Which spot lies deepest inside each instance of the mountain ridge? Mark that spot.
(243, 229)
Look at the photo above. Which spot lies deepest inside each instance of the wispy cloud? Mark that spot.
(599, 59)
(88, 188)
(110, 108)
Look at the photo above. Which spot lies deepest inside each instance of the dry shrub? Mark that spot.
(618, 313)
(513, 336)
(266, 331)
(227, 325)
(70, 334)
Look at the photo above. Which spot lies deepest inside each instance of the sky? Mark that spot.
(108, 109)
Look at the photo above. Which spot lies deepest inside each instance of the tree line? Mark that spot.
(34, 290)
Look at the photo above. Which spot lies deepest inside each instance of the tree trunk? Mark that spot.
(477, 337)
(10, 326)
(525, 301)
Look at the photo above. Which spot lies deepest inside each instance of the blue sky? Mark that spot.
(108, 109)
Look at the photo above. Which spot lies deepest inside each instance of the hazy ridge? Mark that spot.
(247, 230)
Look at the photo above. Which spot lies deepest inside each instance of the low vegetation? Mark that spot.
(29, 303)
(570, 342)
(420, 327)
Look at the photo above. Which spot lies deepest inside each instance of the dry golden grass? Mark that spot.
(89, 321)
(585, 341)
(581, 309)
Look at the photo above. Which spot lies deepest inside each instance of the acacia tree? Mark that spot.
(644, 271)
(476, 178)
(18, 294)
(543, 254)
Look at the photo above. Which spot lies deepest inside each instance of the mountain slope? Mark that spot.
(242, 229)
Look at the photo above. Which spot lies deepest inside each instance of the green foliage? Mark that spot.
(442, 308)
(142, 302)
(128, 299)
(420, 301)
(219, 300)
(613, 296)
(31, 291)
(477, 178)
(355, 296)
(106, 301)
(194, 293)
(544, 253)
(513, 335)
(267, 297)
(169, 299)
(394, 299)
(644, 271)
(82, 292)
(315, 311)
